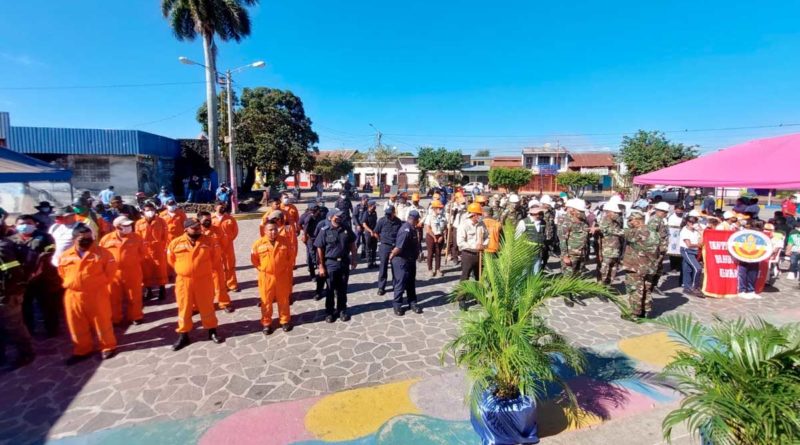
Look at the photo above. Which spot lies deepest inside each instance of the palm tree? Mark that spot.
(229, 20)
(741, 381)
(506, 345)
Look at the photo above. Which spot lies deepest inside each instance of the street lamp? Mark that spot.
(228, 81)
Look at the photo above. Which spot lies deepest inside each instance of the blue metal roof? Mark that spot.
(5, 125)
(16, 167)
(81, 141)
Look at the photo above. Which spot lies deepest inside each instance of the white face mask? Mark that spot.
(172, 208)
(149, 214)
(285, 201)
(125, 230)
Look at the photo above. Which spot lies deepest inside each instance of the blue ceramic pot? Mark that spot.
(506, 421)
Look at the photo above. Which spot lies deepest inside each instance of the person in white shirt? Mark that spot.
(690, 242)
(434, 227)
(106, 195)
(61, 232)
(674, 223)
(471, 238)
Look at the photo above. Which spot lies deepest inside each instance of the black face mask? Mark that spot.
(206, 223)
(195, 236)
(85, 243)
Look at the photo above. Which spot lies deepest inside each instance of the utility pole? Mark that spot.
(378, 136)
(231, 154)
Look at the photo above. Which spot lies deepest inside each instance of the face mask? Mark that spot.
(149, 214)
(125, 230)
(85, 243)
(172, 208)
(25, 229)
(285, 201)
(206, 223)
(46, 209)
(195, 236)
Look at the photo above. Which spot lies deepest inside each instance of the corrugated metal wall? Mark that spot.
(90, 142)
(5, 125)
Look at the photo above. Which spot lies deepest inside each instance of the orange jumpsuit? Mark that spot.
(291, 216)
(274, 277)
(174, 223)
(86, 300)
(90, 223)
(264, 219)
(289, 236)
(126, 286)
(231, 229)
(220, 288)
(194, 283)
(154, 266)
(494, 228)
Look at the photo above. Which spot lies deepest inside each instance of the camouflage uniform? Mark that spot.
(550, 238)
(573, 233)
(512, 214)
(612, 233)
(658, 225)
(641, 257)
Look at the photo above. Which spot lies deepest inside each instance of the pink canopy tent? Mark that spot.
(763, 163)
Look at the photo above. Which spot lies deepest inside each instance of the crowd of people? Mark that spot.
(98, 260)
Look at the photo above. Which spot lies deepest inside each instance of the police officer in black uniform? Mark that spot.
(404, 264)
(309, 222)
(368, 224)
(336, 250)
(386, 233)
(344, 204)
(359, 214)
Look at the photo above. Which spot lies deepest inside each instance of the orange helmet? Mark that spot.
(415, 196)
(475, 208)
(480, 199)
(436, 204)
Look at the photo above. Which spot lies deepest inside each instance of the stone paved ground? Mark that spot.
(147, 381)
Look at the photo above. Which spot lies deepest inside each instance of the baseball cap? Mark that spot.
(389, 210)
(191, 222)
(663, 206)
(413, 214)
(122, 221)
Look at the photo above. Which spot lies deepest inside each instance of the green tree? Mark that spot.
(482, 153)
(437, 160)
(648, 151)
(222, 118)
(332, 167)
(229, 20)
(577, 182)
(380, 157)
(511, 178)
(274, 135)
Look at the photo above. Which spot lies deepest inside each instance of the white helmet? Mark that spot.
(546, 199)
(577, 204)
(513, 198)
(663, 206)
(614, 199)
(612, 207)
(533, 203)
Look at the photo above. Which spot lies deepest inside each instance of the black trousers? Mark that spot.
(434, 253)
(404, 280)
(49, 301)
(313, 268)
(338, 274)
(372, 250)
(469, 265)
(383, 268)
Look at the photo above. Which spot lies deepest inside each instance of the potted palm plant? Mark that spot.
(741, 381)
(506, 346)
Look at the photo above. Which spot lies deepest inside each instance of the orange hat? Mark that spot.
(475, 208)
(415, 196)
(436, 204)
(480, 199)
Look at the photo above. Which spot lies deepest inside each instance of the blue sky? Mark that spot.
(463, 74)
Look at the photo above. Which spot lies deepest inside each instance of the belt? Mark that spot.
(471, 252)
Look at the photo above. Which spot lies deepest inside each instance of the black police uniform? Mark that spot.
(311, 228)
(45, 288)
(335, 244)
(404, 265)
(346, 207)
(359, 215)
(387, 229)
(371, 220)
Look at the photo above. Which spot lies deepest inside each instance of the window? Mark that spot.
(543, 160)
(94, 170)
(528, 161)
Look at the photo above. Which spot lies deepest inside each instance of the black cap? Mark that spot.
(43, 204)
(191, 222)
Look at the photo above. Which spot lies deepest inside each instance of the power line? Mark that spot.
(163, 119)
(92, 87)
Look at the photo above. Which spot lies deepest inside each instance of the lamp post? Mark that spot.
(228, 81)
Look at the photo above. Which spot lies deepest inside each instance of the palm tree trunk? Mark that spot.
(209, 50)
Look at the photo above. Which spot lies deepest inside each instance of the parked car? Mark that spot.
(337, 185)
(477, 187)
(668, 194)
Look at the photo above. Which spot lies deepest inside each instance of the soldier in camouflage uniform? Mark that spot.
(612, 233)
(512, 211)
(641, 256)
(550, 238)
(573, 232)
(658, 225)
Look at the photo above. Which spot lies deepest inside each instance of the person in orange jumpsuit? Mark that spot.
(287, 233)
(230, 227)
(220, 287)
(174, 217)
(274, 205)
(128, 250)
(153, 231)
(86, 271)
(271, 257)
(290, 213)
(194, 258)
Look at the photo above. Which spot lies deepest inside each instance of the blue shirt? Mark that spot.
(335, 243)
(407, 242)
(387, 229)
(105, 196)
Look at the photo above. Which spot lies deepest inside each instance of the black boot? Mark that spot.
(416, 309)
(212, 335)
(399, 311)
(148, 295)
(182, 342)
(162, 293)
(462, 305)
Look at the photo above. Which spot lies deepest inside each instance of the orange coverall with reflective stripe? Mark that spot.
(274, 278)
(154, 266)
(174, 223)
(86, 300)
(194, 283)
(220, 287)
(128, 252)
(231, 229)
(291, 216)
